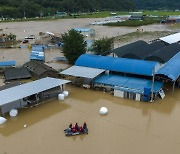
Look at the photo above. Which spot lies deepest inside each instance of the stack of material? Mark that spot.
(37, 53)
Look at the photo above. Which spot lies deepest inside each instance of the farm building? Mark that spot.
(165, 54)
(156, 51)
(115, 73)
(40, 70)
(30, 94)
(136, 50)
(16, 73)
(171, 71)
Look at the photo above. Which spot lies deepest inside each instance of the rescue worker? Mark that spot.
(76, 126)
(84, 125)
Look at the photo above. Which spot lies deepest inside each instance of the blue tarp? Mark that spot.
(172, 68)
(7, 63)
(130, 84)
(132, 66)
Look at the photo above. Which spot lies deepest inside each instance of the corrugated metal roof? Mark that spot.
(27, 89)
(174, 38)
(84, 72)
(131, 83)
(132, 66)
(7, 63)
(137, 50)
(16, 73)
(37, 55)
(165, 54)
(171, 68)
(38, 68)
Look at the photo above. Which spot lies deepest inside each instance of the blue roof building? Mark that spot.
(123, 65)
(171, 68)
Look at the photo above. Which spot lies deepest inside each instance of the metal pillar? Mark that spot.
(152, 89)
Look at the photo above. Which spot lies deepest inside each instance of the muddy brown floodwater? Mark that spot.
(130, 127)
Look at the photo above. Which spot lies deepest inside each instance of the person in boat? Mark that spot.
(84, 125)
(76, 127)
(70, 126)
(81, 129)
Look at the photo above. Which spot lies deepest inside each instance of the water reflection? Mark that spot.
(31, 116)
(164, 106)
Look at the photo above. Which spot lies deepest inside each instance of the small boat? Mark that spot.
(68, 132)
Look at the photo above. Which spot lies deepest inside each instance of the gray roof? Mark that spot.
(165, 54)
(85, 72)
(9, 85)
(16, 73)
(28, 89)
(174, 38)
(138, 50)
(38, 67)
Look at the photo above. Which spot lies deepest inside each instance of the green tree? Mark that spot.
(102, 45)
(73, 45)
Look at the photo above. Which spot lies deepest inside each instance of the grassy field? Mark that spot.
(146, 36)
(97, 15)
(133, 23)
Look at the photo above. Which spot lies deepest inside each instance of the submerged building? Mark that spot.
(30, 94)
(128, 78)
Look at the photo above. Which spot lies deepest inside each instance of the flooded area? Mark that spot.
(129, 127)
(23, 29)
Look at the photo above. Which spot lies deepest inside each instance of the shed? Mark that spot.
(16, 73)
(30, 93)
(123, 65)
(40, 70)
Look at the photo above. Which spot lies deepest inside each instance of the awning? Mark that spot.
(85, 72)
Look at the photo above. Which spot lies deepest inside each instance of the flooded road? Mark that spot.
(129, 127)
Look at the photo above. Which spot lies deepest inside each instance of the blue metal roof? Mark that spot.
(36, 56)
(171, 68)
(7, 63)
(37, 53)
(41, 48)
(132, 66)
(82, 29)
(128, 83)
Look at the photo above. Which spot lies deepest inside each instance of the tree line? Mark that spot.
(159, 4)
(34, 8)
